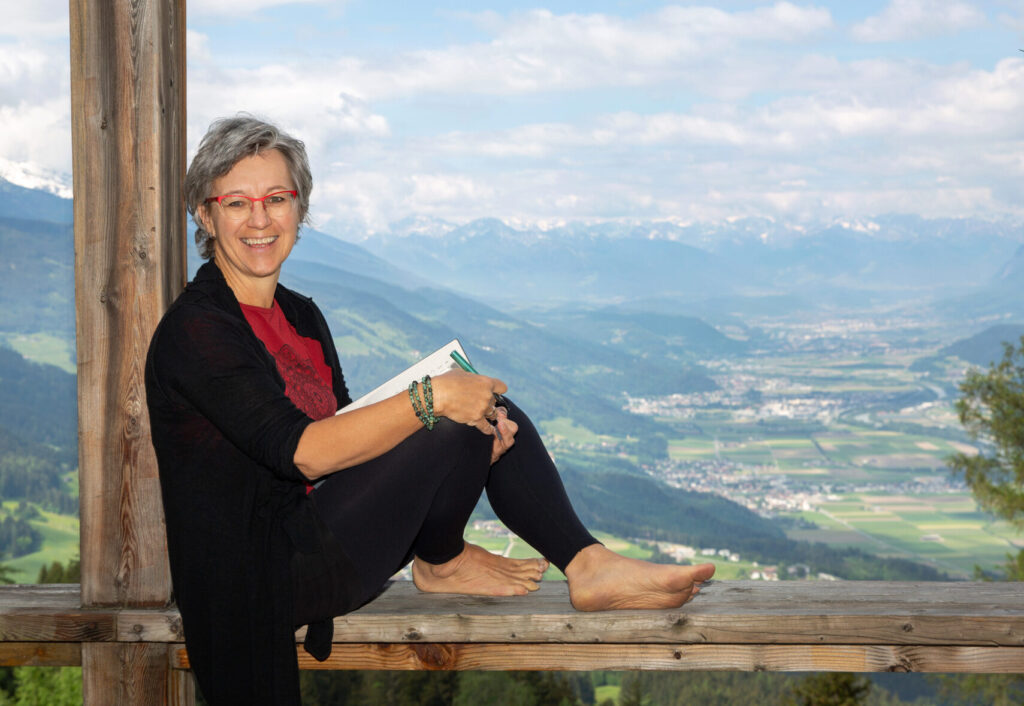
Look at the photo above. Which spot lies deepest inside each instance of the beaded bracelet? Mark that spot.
(425, 413)
(414, 397)
(428, 399)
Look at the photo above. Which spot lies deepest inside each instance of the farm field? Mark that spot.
(944, 530)
(841, 450)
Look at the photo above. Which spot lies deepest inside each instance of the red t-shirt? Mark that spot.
(308, 381)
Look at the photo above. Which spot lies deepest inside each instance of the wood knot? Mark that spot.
(677, 654)
(903, 665)
(568, 626)
(103, 124)
(412, 635)
(433, 656)
(680, 622)
(908, 627)
(103, 296)
(137, 628)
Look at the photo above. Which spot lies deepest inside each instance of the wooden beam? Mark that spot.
(128, 138)
(143, 676)
(40, 654)
(128, 129)
(577, 657)
(784, 612)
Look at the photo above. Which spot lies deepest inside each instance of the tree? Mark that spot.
(632, 693)
(831, 689)
(991, 409)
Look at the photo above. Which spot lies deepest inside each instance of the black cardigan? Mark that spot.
(236, 507)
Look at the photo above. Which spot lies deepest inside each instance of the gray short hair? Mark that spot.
(228, 141)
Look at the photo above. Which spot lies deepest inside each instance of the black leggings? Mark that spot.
(415, 500)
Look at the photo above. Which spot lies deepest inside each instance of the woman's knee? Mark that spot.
(452, 437)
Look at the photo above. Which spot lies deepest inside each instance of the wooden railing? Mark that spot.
(857, 626)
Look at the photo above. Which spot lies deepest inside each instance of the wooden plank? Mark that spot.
(40, 654)
(730, 612)
(776, 658)
(128, 134)
(142, 679)
(849, 612)
(65, 626)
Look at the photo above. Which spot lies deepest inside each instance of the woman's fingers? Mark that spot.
(506, 434)
(465, 397)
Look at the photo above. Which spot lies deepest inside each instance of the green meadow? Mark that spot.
(60, 543)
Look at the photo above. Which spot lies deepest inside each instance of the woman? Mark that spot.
(242, 383)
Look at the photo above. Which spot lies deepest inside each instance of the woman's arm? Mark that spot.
(354, 437)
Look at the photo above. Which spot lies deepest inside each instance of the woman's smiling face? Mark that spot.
(250, 251)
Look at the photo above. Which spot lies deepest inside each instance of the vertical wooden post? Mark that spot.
(128, 134)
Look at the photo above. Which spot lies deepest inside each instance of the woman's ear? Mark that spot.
(205, 219)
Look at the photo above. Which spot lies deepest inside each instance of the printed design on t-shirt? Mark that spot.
(302, 385)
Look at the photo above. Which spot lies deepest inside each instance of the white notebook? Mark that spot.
(437, 363)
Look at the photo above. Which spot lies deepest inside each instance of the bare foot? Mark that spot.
(478, 572)
(600, 579)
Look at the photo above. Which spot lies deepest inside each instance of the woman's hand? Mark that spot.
(505, 437)
(467, 398)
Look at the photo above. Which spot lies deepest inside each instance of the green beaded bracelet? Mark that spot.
(425, 413)
(428, 399)
(414, 397)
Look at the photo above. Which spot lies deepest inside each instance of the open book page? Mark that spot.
(437, 363)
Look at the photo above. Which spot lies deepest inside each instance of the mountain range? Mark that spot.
(751, 262)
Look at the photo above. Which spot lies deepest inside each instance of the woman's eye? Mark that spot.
(235, 203)
(271, 200)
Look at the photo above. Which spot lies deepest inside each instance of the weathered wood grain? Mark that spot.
(725, 612)
(848, 612)
(128, 135)
(734, 625)
(777, 658)
(144, 676)
(40, 654)
(128, 147)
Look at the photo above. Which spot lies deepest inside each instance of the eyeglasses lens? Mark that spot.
(240, 207)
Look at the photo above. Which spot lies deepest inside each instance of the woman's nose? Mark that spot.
(258, 217)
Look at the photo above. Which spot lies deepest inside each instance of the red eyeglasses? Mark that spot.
(239, 207)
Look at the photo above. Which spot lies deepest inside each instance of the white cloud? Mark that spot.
(305, 104)
(38, 134)
(38, 19)
(197, 45)
(35, 108)
(912, 19)
(29, 73)
(539, 51)
(898, 136)
(231, 8)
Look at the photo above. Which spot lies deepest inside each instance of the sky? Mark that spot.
(558, 111)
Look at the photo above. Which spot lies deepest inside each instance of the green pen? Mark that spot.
(468, 367)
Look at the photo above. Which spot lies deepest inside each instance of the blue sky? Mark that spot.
(562, 111)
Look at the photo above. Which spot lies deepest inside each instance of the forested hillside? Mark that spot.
(986, 347)
(38, 433)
